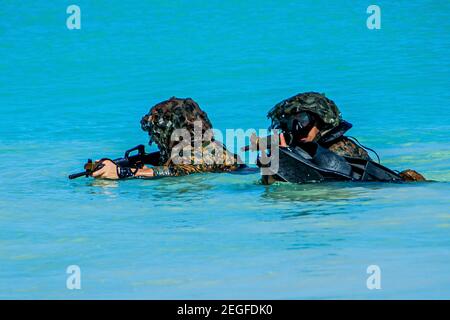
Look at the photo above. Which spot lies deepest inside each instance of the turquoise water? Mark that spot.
(66, 95)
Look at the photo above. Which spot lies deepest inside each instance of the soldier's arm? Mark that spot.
(167, 171)
(145, 172)
(110, 170)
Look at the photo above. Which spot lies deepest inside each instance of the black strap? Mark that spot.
(335, 133)
(122, 172)
(364, 147)
(125, 172)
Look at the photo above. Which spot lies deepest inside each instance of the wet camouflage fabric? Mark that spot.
(176, 113)
(166, 116)
(411, 175)
(347, 148)
(202, 161)
(313, 102)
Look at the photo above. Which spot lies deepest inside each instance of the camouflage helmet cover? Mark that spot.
(313, 102)
(167, 116)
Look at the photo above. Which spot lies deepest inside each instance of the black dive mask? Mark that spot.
(300, 124)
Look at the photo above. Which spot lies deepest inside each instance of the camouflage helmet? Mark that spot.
(313, 102)
(167, 116)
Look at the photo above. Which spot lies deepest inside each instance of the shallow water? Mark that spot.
(68, 95)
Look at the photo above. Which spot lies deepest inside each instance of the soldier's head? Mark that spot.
(302, 116)
(167, 116)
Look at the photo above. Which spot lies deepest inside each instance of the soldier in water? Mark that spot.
(312, 117)
(200, 153)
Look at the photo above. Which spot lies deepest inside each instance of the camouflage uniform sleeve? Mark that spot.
(185, 169)
(165, 171)
(176, 170)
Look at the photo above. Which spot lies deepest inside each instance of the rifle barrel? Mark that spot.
(77, 175)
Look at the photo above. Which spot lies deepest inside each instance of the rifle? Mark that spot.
(136, 161)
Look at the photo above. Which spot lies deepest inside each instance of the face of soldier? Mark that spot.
(304, 128)
(312, 134)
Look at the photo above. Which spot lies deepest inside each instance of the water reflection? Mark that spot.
(103, 183)
(297, 200)
(312, 192)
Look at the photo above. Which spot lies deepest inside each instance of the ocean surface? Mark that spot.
(68, 95)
